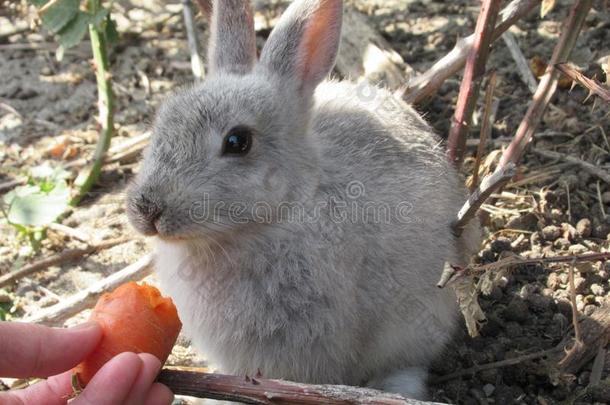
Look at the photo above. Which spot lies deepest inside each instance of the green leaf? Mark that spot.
(112, 34)
(56, 14)
(74, 31)
(39, 208)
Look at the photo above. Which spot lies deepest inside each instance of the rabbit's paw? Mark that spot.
(409, 382)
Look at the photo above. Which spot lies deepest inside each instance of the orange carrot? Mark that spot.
(134, 318)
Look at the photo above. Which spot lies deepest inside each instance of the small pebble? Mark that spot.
(597, 289)
(562, 244)
(589, 299)
(577, 249)
(488, 389)
(606, 197)
(551, 232)
(553, 281)
(580, 284)
(584, 227)
(589, 310)
(526, 291)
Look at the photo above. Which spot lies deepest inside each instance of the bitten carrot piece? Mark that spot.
(134, 318)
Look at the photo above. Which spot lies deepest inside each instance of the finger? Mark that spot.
(159, 394)
(28, 350)
(148, 374)
(52, 391)
(113, 383)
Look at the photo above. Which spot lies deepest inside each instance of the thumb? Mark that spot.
(28, 350)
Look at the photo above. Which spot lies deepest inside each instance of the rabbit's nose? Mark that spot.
(147, 213)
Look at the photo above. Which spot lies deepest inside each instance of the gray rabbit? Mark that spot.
(301, 224)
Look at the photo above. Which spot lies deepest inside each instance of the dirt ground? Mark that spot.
(552, 208)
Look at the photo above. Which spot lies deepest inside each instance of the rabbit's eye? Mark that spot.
(238, 141)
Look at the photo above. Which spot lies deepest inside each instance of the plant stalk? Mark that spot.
(91, 173)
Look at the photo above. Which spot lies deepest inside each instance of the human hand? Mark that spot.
(28, 350)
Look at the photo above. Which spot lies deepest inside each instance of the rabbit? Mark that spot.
(301, 224)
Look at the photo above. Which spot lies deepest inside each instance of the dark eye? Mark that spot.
(238, 141)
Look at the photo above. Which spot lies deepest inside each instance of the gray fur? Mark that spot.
(232, 37)
(315, 299)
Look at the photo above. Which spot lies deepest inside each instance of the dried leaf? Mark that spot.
(466, 291)
(489, 279)
(546, 7)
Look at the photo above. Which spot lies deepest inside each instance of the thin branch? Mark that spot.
(91, 173)
(485, 128)
(594, 331)
(429, 82)
(259, 391)
(488, 186)
(586, 166)
(452, 271)
(548, 83)
(512, 155)
(82, 300)
(522, 66)
(471, 82)
(71, 232)
(490, 366)
(592, 85)
(57, 259)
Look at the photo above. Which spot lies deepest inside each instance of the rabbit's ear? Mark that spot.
(232, 46)
(303, 46)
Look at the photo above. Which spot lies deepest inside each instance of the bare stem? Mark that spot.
(512, 155)
(90, 174)
(430, 81)
(63, 257)
(473, 75)
(548, 83)
(260, 391)
(485, 129)
(592, 85)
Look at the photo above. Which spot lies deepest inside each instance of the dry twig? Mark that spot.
(426, 84)
(522, 66)
(592, 85)
(63, 257)
(488, 185)
(512, 155)
(586, 166)
(490, 366)
(473, 75)
(82, 300)
(452, 271)
(548, 83)
(261, 391)
(485, 129)
(578, 343)
(594, 332)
